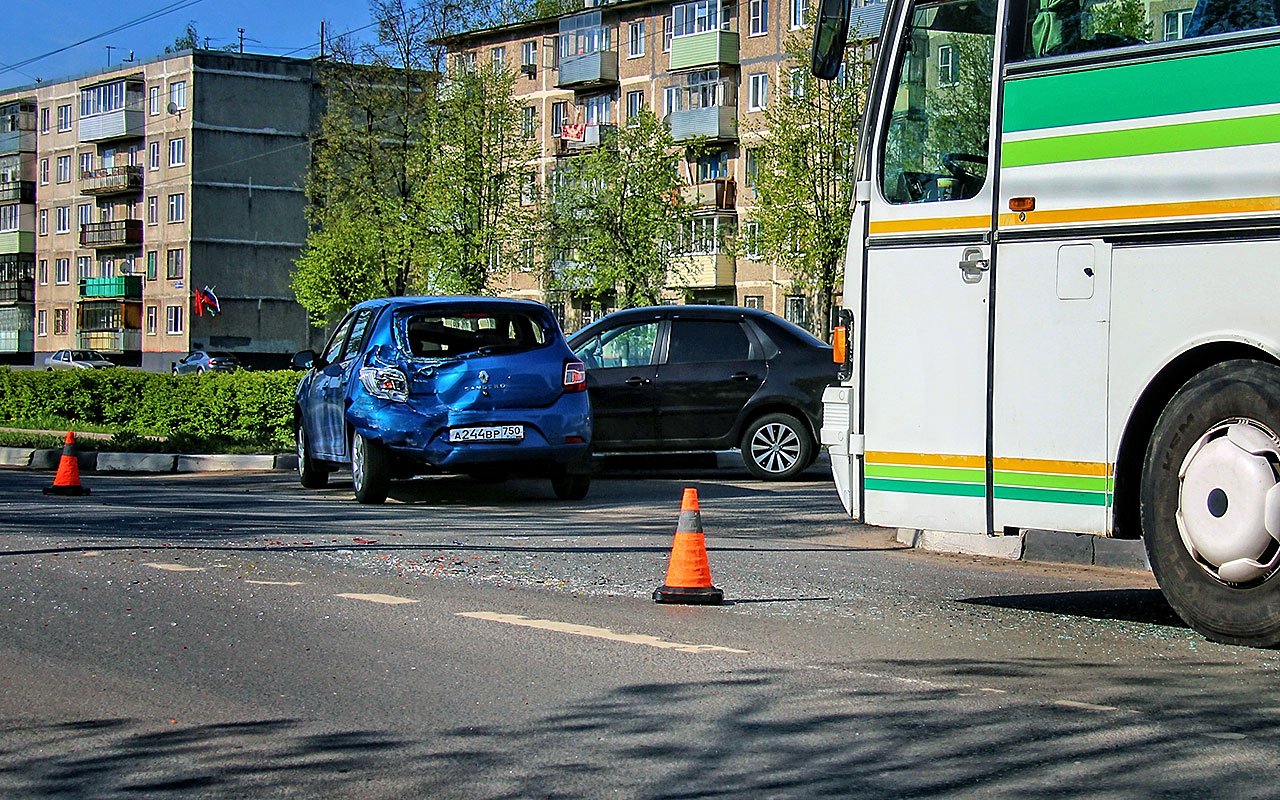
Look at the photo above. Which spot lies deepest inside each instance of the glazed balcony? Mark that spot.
(704, 271)
(588, 71)
(122, 123)
(705, 110)
(17, 290)
(125, 179)
(117, 233)
(119, 340)
(705, 49)
(18, 192)
(120, 287)
(720, 194)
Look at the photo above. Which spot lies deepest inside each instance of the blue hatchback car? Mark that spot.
(421, 385)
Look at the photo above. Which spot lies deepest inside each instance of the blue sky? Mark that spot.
(276, 27)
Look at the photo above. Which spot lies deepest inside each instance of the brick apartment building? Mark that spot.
(709, 69)
(124, 191)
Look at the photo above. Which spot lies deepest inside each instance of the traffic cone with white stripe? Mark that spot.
(67, 481)
(688, 571)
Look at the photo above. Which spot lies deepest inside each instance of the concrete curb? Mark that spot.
(136, 462)
(225, 463)
(16, 456)
(94, 461)
(1034, 545)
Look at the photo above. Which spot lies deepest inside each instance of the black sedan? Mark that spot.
(704, 378)
(201, 361)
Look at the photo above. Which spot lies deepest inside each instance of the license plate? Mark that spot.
(489, 433)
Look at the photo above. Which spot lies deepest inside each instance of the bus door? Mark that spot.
(928, 284)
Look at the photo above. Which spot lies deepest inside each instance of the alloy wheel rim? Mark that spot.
(775, 448)
(302, 450)
(357, 462)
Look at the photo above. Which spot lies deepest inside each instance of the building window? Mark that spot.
(559, 112)
(947, 73)
(751, 241)
(529, 189)
(499, 56)
(152, 260)
(64, 169)
(635, 39)
(529, 121)
(44, 171)
(598, 110)
(1175, 24)
(796, 311)
(62, 271)
(701, 16)
(9, 218)
(177, 152)
(799, 13)
(44, 120)
(177, 207)
(61, 316)
(84, 214)
(173, 319)
(44, 222)
(712, 166)
(86, 163)
(752, 168)
(526, 255)
(529, 55)
(64, 117)
(668, 30)
(758, 94)
(153, 315)
(153, 100)
(153, 210)
(178, 94)
(84, 267)
(42, 323)
(155, 155)
(759, 24)
(753, 301)
(173, 264)
(635, 104)
(44, 272)
(62, 224)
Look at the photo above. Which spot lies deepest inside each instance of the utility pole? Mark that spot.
(241, 30)
(110, 47)
(322, 40)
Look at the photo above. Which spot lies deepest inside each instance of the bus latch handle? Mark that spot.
(973, 265)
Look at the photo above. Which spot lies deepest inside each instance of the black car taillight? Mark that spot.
(575, 375)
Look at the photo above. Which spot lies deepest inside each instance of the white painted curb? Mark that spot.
(225, 463)
(16, 456)
(973, 544)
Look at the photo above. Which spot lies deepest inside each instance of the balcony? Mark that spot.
(704, 271)
(587, 71)
(705, 49)
(15, 328)
(720, 194)
(592, 137)
(121, 340)
(117, 233)
(16, 342)
(18, 242)
(718, 123)
(126, 179)
(122, 123)
(120, 287)
(17, 291)
(18, 192)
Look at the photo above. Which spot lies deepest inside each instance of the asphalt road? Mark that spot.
(235, 636)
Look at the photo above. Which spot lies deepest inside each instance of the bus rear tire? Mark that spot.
(1206, 481)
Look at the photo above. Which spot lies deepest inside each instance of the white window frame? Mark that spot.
(43, 272)
(63, 169)
(153, 319)
(177, 151)
(177, 207)
(173, 320)
(759, 18)
(758, 93)
(153, 100)
(42, 225)
(529, 120)
(84, 267)
(64, 118)
(44, 172)
(668, 31)
(799, 10)
(44, 120)
(62, 272)
(62, 219)
(42, 323)
(948, 65)
(635, 39)
(154, 156)
(178, 94)
(635, 104)
(153, 209)
(1182, 18)
(9, 216)
(174, 264)
(529, 54)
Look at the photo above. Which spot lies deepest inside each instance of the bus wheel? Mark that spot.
(1210, 503)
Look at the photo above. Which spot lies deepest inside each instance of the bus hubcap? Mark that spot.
(1229, 501)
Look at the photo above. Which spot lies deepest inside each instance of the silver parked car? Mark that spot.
(202, 361)
(77, 359)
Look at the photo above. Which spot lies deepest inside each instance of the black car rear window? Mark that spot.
(694, 340)
(441, 333)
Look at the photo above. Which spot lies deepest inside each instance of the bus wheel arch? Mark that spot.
(1209, 502)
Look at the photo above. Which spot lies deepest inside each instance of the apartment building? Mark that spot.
(135, 187)
(709, 69)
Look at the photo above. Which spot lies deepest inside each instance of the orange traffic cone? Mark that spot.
(67, 481)
(688, 572)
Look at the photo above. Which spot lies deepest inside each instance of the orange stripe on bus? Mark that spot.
(924, 460)
(1243, 205)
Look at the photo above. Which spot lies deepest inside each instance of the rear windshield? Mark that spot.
(220, 355)
(445, 333)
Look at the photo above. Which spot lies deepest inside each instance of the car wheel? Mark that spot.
(310, 473)
(569, 486)
(776, 447)
(370, 470)
(1209, 503)
(199, 370)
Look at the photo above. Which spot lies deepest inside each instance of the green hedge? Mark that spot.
(232, 409)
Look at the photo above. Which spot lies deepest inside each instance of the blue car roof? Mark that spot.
(449, 300)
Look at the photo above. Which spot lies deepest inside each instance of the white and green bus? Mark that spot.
(1062, 287)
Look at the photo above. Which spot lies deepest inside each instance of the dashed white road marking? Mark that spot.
(597, 633)
(273, 583)
(1083, 706)
(385, 599)
(173, 567)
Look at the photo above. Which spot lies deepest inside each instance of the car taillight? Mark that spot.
(387, 383)
(575, 375)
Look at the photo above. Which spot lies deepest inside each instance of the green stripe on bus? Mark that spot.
(925, 487)
(1209, 82)
(953, 474)
(1052, 496)
(1083, 482)
(1188, 136)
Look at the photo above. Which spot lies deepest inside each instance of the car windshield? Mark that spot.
(452, 333)
(87, 355)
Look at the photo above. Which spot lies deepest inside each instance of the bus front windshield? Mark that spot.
(936, 145)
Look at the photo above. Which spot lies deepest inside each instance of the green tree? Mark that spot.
(804, 173)
(1122, 18)
(613, 216)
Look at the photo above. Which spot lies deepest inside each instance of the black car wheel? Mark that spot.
(569, 486)
(370, 470)
(776, 447)
(311, 474)
(1207, 480)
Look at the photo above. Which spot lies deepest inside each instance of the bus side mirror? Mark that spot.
(829, 37)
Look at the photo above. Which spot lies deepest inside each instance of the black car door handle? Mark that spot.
(745, 377)
(634, 382)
